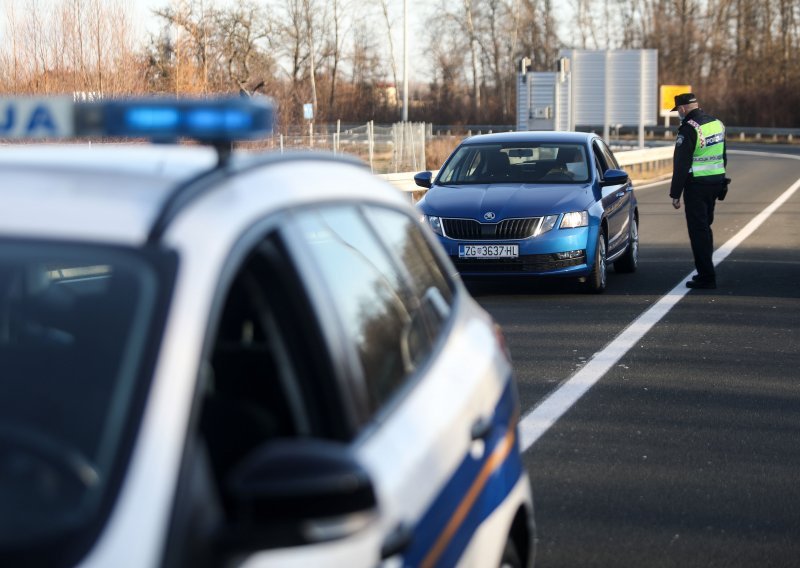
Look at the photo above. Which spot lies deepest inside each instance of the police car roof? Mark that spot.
(111, 193)
(98, 192)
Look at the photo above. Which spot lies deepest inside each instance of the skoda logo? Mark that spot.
(488, 215)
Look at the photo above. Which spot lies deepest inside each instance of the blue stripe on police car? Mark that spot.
(476, 489)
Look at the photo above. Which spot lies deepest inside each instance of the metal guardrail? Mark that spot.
(634, 157)
(641, 162)
(657, 131)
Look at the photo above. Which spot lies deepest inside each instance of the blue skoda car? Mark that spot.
(534, 204)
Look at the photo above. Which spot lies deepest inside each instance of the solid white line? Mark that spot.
(534, 424)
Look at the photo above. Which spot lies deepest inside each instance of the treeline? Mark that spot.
(345, 56)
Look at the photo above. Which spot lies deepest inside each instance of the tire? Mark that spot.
(510, 557)
(629, 261)
(596, 280)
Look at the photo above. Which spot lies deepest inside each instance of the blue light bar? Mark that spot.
(149, 119)
(206, 120)
(211, 121)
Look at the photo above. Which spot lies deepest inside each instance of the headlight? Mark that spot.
(435, 223)
(547, 223)
(575, 219)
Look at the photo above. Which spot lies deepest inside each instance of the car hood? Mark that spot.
(505, 200)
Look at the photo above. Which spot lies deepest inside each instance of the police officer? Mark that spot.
(699, 174)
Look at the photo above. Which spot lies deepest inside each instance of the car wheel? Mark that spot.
(629, 261)
(596, 281)
(511, 557)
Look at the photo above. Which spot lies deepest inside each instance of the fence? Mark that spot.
(386, 148)
(401, 147)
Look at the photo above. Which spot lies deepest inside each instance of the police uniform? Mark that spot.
(699, 174)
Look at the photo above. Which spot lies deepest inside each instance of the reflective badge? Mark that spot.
(679, 140)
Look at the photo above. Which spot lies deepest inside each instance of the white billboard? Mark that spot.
(593, 88)
(614, 87)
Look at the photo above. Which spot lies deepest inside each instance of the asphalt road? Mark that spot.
(686, 452)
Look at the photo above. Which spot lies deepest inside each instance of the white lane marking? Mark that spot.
(536, 422)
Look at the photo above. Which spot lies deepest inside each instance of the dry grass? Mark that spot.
(438, 148)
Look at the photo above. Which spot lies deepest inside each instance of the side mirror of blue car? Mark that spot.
(615, 177)
(423, 179)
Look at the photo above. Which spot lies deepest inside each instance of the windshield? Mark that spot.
(73, 328)
(530, 163)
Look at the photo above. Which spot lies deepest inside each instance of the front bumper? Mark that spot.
(538, 256)
(542, 264)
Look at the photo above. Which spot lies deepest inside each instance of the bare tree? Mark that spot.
(10, 56)
(190, 21)
(240, 36)
(335, 49)
(473, 49)
(392, 59)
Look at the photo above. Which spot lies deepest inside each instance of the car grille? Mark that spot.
(506, 229)
(532, 264)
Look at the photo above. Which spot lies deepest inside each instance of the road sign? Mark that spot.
(668, 93)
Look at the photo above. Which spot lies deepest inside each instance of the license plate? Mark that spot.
(488, 251)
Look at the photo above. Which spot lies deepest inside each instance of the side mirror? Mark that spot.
(299, 491)
(614, 177)
(424, 179)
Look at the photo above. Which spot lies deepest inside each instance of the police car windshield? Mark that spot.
(527, 163)
(73, 327)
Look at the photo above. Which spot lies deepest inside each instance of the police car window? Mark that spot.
(260, 381)
(74, 328)
(374, 304)
(431, 287)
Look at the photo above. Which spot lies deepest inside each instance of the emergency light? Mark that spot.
(210, 121)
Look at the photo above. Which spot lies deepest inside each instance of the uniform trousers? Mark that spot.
(699, 200)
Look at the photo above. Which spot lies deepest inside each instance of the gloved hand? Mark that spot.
(723, 192)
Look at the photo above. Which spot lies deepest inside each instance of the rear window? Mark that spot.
(530, 163)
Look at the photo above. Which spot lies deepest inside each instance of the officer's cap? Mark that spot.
(684, 99)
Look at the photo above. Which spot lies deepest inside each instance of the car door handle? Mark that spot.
(397, 541)
(620, 194)
(481, 429)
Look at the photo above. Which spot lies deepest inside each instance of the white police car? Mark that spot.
(215, 359)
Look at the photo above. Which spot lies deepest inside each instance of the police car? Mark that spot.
(213, 358)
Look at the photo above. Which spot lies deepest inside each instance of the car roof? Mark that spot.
(531, 136)
(113, 193)
(96, 192)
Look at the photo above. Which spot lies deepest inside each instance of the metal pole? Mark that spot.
(422, 157)
(370, 142)
(405, 60)
(607, 98)
(642, 98)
